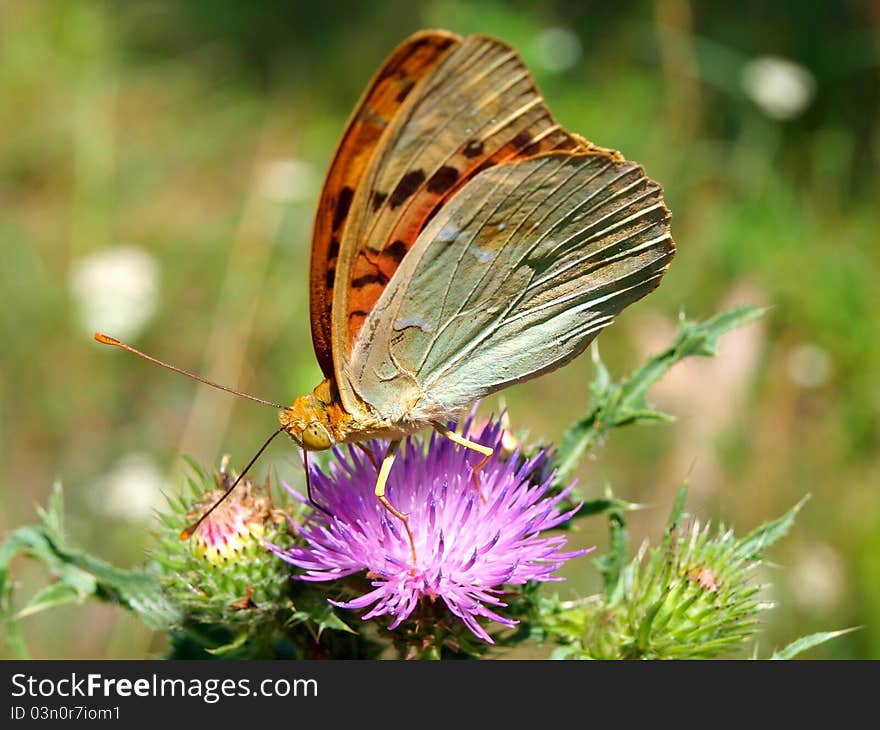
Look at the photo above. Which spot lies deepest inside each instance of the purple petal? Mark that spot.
(468, 543)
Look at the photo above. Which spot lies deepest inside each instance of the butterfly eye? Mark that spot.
(316, 438)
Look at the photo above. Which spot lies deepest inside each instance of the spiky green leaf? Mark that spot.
(691, 596)
(77, 576)
(753, 545)
(55, 594)
(617, 404)
(611, 564)
(606, 504)
(808, 642)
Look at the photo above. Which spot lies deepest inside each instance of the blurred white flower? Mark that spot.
(781, 88)
(132, 490)
(557, 49)
(808, 366)
(287, 181)
(116, 290)
(817, 578)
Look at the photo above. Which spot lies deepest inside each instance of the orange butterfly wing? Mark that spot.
(413, 60)
(441, 109)
(477, 108)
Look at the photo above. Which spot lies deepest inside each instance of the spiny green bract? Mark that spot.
(693, 596)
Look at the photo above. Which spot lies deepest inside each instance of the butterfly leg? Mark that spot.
(457, 438)
(369, 455)
(384, 471)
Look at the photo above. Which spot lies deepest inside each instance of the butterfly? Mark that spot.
(463, 242)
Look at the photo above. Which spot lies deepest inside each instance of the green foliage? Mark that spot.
(617, 404)
(76, 577)
(222, 593)
(238, 603)
(807, 642)
(118, 128)
(236, 598)
(691, 597)
(241, 587)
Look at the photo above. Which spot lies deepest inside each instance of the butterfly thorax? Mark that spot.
(317, 420)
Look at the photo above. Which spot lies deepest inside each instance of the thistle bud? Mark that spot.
(694, 596)
(223, 574)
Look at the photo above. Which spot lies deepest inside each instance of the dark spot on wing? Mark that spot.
(442, 180)
(343, 203)
(484, 165)
(396, 251)
(331, 277)
(473, 148)
(406, 87)
(422, 42)
(430, 216)
(445, 43)
(378, 199)
(440, 45)
(408, 184)
(521, 140)
(356, 320)
(362, 281)
(333, 251)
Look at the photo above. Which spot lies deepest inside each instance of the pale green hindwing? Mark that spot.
(514, 277)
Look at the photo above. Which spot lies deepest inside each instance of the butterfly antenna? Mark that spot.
(187, 532)
(107, 340)
(309, 486)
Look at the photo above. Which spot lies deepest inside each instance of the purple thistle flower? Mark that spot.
(469, 543)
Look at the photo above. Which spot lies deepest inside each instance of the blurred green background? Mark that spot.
(159, 167)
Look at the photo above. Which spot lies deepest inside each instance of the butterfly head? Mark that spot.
(311, 420)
